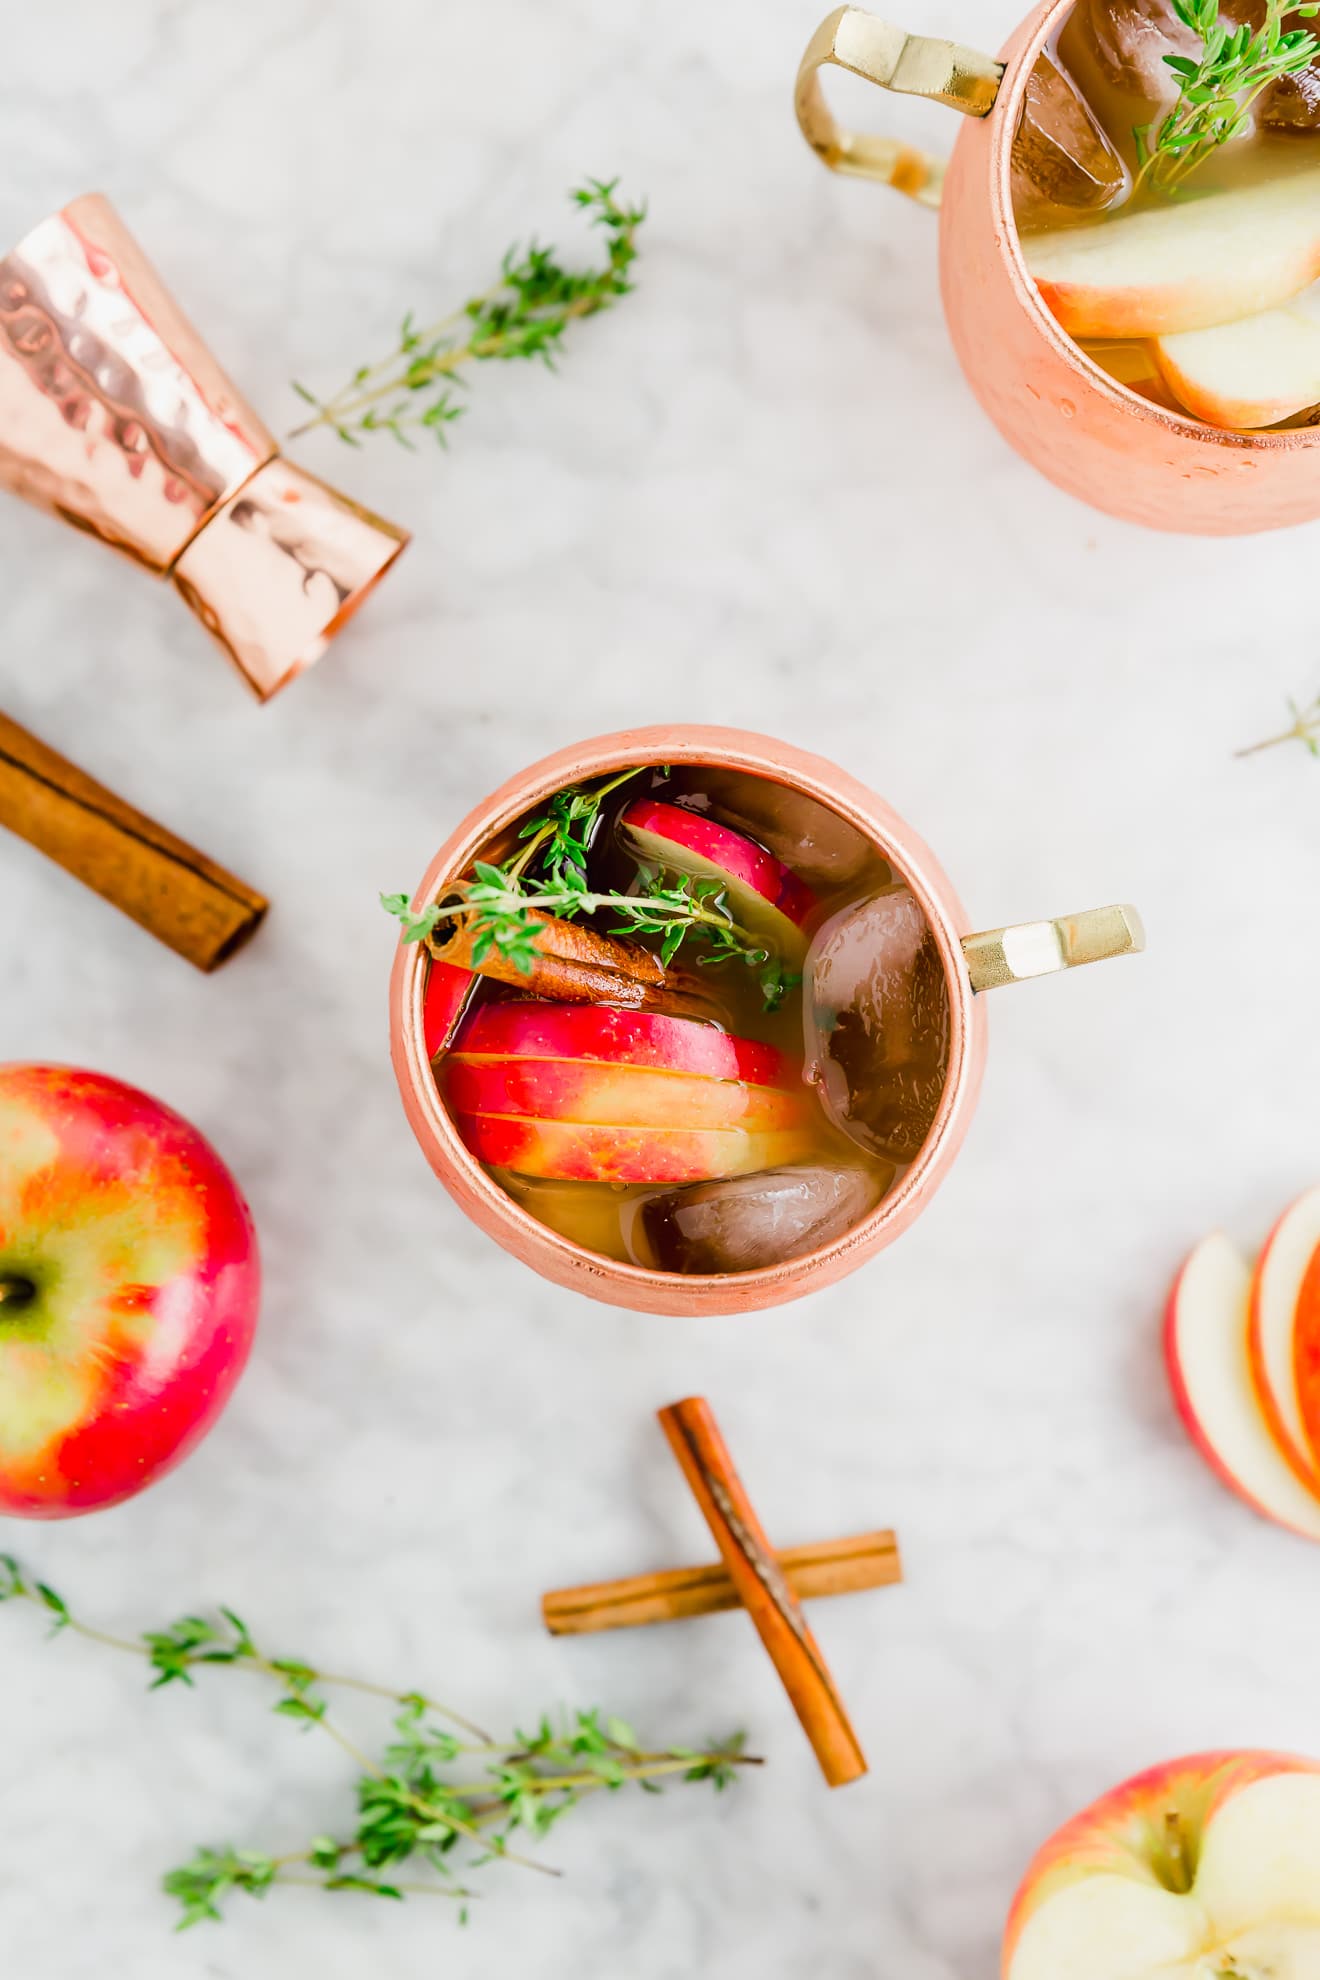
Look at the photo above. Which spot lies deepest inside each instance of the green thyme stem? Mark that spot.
(1305, 729)
(640, 906)
(205, 1653)
(1218, 89)
(525, 314)
(408, 1808)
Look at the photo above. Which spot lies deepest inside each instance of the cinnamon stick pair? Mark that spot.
(753, 1576)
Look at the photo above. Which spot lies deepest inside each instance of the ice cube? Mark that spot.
(1062, 161)
(746, 1222)
(1290, 107)
(876, 1021)
(806, 836)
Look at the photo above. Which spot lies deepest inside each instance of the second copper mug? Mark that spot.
(1089, 434)
(973, 963)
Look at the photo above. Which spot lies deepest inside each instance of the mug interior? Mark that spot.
(488, 830)
(1006, 116)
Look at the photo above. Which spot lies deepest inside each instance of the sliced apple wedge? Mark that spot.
(1248, 374)
(1306, 1354)
(1276, 1290)
(443, 1000)
(590, 1094)
(1157, 270)
(571, 1152)
(764, 896)
(1205, 1346)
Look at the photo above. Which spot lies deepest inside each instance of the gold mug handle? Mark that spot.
(913, 65)
(1038, 948)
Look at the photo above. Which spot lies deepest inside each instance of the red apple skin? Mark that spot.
(1299, 1461)
(1306, 1354)
(591, 1094)
(740, 857)
(535, 1028)
(1123, 1822)
(569, 1152)
(148, 1283)
(446, 992)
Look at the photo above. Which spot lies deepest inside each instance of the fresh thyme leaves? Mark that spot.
(502, 899)
(409, 1810)
(524, 315)
(1305, 729)
(1217, 91)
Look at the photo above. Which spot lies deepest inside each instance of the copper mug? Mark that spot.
(1090, 435)
(973, 963)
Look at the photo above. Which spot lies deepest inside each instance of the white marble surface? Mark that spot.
(758, 493)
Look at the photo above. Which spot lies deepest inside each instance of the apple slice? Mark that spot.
(1306, 1354)
(1248, 374)
(596, 1095)
(764, 896)
(446, 992)
(1157, 270)
(535, 1028)
(1205, 1869)
(1276, 1289)
(573, 1152)
(1205, 1346)
(584, 1093)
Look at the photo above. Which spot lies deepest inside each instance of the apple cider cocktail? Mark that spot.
(1166, 186)
(688, 1018)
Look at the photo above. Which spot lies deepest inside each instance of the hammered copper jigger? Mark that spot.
(115, 417)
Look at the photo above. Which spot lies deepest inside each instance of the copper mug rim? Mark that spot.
(1018, 56)
(560, 1259)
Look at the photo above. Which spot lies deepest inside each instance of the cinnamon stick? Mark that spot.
(762, 1585)
(828, 1567)
(575, 964)
(169, 888)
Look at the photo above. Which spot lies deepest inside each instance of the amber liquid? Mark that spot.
(1120, 110)
(838, 864)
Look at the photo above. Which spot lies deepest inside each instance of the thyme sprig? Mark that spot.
(1304, 728)
(525, 314)
(503, 899)
(409, 1809)
(1218, 89)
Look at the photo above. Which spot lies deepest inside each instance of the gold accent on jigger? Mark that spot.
(911, 65)
(1039, 948)
(115, 417)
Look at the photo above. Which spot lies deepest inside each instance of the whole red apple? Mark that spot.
(129, 1287)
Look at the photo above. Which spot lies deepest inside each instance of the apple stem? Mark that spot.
(16, 1291)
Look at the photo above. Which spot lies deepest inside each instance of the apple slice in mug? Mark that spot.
(1282, 1271)
(764, 897)
(1204, 1869)
(586, 1093)
(1248, 374)
(446, 993)
(1205, 1344)
(1158, 270)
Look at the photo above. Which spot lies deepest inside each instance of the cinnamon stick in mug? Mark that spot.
(575, 964)
(827, 1567)
(169, 888)
(763, 1588)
